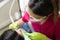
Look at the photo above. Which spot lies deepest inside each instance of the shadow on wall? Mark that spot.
(1, 0)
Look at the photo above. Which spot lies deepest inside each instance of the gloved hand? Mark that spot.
(36, 36)
(26, 17)
(13, 26)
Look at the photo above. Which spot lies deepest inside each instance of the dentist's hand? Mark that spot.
(37, 36)
(13, 26)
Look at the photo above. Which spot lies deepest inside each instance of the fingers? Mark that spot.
(19, 31)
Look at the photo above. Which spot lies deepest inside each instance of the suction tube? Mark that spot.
(11, 18)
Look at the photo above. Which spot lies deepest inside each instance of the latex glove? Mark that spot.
(36, 36)
(26, 17)
(13, 26)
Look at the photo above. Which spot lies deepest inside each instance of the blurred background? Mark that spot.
(4, 13)
(59, 4)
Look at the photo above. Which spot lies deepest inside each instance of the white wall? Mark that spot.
(4, 13)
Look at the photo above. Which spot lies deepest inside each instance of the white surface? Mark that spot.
(17, 15)
(23, 5)
(4, 13)
(2, 3)
(3, 24)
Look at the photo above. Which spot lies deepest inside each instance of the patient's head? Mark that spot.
(10, 35)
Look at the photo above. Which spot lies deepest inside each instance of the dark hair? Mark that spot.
(10, 35)
(41, 7)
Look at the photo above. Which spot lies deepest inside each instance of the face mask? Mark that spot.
(35, 19)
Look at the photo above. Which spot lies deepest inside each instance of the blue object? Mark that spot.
(26, 28)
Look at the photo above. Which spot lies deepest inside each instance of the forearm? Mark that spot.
(19, 22)
(48, 38)
(24, 19)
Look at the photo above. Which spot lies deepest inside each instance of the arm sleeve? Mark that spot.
(26, 17)
(57, 30)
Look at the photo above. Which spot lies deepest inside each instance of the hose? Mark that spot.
(11, 18)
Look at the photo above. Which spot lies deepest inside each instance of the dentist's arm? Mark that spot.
(37, 36)
(21, 21)
(24, 19)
